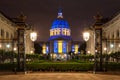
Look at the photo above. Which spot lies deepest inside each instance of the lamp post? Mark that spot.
(21, 48)
(86, 36)
(106, 58)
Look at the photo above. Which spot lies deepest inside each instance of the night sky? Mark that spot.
(41, 13)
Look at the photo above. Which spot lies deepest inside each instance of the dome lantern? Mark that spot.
(60, 13)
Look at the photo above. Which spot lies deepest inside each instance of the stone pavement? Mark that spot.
(61, 76)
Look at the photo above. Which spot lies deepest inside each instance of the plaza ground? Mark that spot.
(61, 76)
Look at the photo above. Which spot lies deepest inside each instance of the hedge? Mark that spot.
(60, 66)
(7, 67)
(56, 67)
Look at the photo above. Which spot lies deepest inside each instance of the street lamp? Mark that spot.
(8, 47)
(21, 47)
(86, 36)
(33, 36)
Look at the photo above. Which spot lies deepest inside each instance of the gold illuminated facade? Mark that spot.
(60, 43)
(110, 36)
(8, 35)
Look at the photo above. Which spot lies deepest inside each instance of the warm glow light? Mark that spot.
(8, 45)
(65, 55)
(62, 56)
(15, 49)
(105, 49)
(86, 36)
(60, 46)
(95, 50)
(76, 48)
(54, 55)
(31, 51)
(119, 45)
(44, 49)
(88, 51)
(33, 36)
(0, 46)
(111, 45)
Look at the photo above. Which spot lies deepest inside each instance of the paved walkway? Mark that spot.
(61, 76)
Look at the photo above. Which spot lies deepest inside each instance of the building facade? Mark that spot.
(9, 35)
(110, 36)
(111, 30)
(60, 42)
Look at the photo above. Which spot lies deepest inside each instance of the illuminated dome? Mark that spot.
(60, 28)
(60, 23)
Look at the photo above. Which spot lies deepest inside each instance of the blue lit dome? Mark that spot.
(60, 23)
(60, 28)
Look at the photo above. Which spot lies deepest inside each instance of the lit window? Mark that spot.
(51, 32)
(58, 32)
(73, 48)
(64, 47)
(44, 49)
(55, 46)
(60, 46)
(76, 48)
(47, 49)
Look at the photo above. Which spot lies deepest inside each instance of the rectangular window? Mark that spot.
(47, 49)
(59, 46)
(64, 47)
(55, 47)
(44, 49)
(76, 48)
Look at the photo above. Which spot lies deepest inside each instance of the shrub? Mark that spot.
(60, 66)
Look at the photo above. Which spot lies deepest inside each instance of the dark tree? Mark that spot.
(38, 48)
(82, 48)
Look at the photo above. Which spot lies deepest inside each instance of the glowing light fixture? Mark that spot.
(96, 51)
(8, 45)
(111, 45)
(31, 51)
(88, 51)
(33, 36)
(15, 49)
(105, 49)
(86, 36)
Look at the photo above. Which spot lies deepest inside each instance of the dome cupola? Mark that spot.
(60, 27)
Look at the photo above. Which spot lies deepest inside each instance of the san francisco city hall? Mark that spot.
(60, 41)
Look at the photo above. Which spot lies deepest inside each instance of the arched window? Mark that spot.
(2, 33)
(68, 32)
(58, 31)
